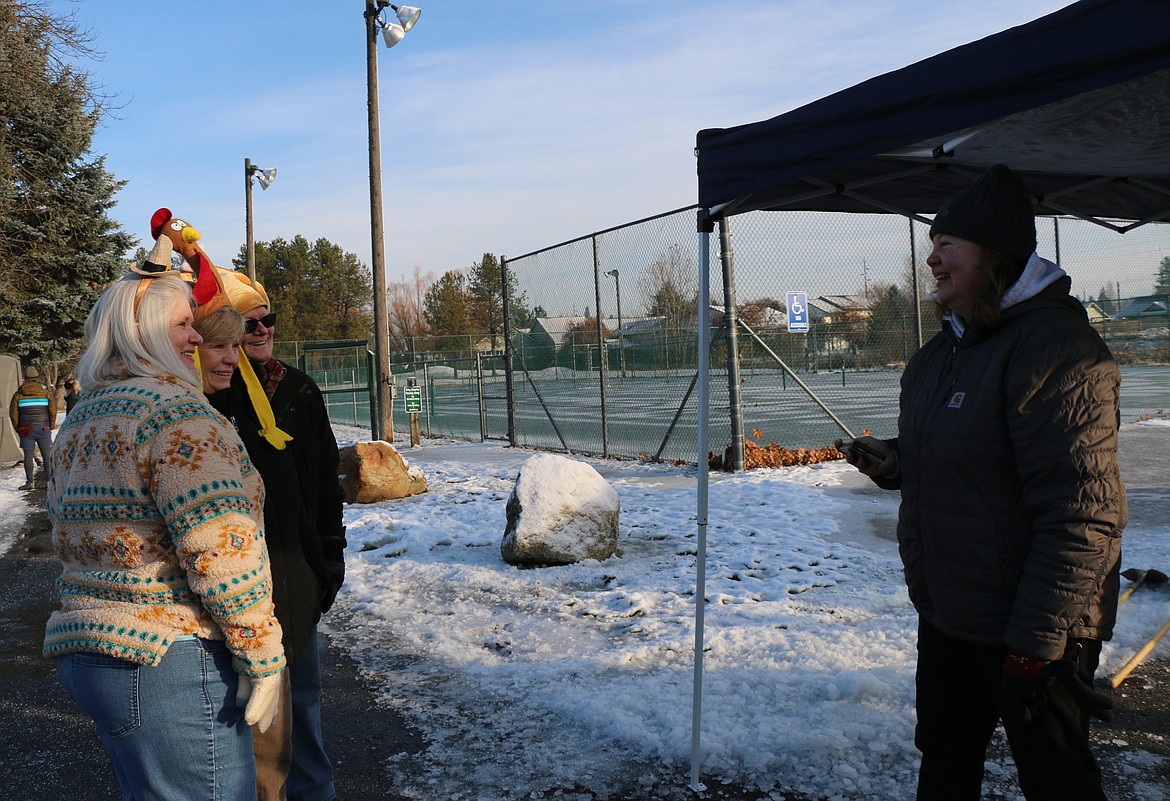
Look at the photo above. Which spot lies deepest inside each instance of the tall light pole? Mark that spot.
(617, 285)
(391, 33)
(265, 177)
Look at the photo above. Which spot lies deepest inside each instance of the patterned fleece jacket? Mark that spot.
(158, 522)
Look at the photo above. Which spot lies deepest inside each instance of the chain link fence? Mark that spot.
(610, 366)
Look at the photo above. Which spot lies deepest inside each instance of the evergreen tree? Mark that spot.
(889, 328)
(1163, 275)
(445, 305)
(486, 300)
(318, 291)
(59, 246)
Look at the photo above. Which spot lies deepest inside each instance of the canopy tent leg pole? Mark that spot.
(701, 516)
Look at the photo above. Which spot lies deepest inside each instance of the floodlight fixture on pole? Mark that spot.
(392, 33)
(407, 15)
(617, 285)
(265, 178)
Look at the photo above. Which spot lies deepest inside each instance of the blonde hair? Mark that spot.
(221, 326)
(124, 342)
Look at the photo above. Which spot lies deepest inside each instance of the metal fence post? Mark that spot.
(427, 388)
(603, 360)
(372, 384)
(734, 394)
(479, 396)
(509, 385)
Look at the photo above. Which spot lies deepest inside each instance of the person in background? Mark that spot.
(59, 393)
(72, 393)
(33, 410)
(292, 544)
(1012, 504)
(299, 409)
(166, 635)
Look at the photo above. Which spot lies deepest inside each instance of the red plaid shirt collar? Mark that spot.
(270, 374)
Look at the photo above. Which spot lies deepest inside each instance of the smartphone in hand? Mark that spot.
(861, 449)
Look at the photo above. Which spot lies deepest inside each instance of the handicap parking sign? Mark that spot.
(797, 312)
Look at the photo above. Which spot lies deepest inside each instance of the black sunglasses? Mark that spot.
(268, 320)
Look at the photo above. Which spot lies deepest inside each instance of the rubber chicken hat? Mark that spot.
(215, 288)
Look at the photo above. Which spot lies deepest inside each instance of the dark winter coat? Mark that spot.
(300, 411)
(33, 404)
(1012, 503)
(293, 547)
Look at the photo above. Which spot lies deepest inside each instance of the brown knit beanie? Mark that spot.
(995, 211)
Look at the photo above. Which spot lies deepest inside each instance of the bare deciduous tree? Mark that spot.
(405, 310)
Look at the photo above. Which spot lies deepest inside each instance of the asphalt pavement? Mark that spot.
(49, 751)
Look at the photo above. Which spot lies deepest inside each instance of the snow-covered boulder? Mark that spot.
(561, 511)
(375, 471)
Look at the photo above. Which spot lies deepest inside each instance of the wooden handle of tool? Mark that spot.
(1132, 588)
(1128, 667)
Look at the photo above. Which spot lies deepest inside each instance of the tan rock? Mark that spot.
(375, 471)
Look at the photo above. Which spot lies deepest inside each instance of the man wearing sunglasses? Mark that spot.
(251, 324)
(300, 411)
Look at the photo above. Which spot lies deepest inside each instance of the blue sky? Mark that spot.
(506, 126)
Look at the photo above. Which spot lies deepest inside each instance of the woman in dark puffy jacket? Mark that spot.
(1012, 504)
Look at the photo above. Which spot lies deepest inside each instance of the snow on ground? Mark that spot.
(579, 679)
(582, 676)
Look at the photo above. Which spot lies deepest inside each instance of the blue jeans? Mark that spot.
(172, 731)
(42, 436)
(311, 776)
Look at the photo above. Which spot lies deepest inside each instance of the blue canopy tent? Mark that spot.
(1077, 102)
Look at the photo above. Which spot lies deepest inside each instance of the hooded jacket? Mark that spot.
(1012, 504)
(33, 404)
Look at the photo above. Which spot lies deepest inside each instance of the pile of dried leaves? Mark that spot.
(772, 455)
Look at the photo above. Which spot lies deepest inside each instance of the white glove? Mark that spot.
(262, 699)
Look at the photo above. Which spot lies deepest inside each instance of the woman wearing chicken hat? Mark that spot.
(295, 553)
(301, 579)
(292, 548)
(1012, 504)
(166, 635)
(299, 409)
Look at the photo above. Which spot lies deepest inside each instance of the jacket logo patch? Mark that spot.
(956, 400)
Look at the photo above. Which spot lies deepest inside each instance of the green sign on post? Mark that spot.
(412, 398)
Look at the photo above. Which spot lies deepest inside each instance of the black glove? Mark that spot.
(329, 589)
(872, 456)
(1025, 685)
(1027, 682)
(1096, 704)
